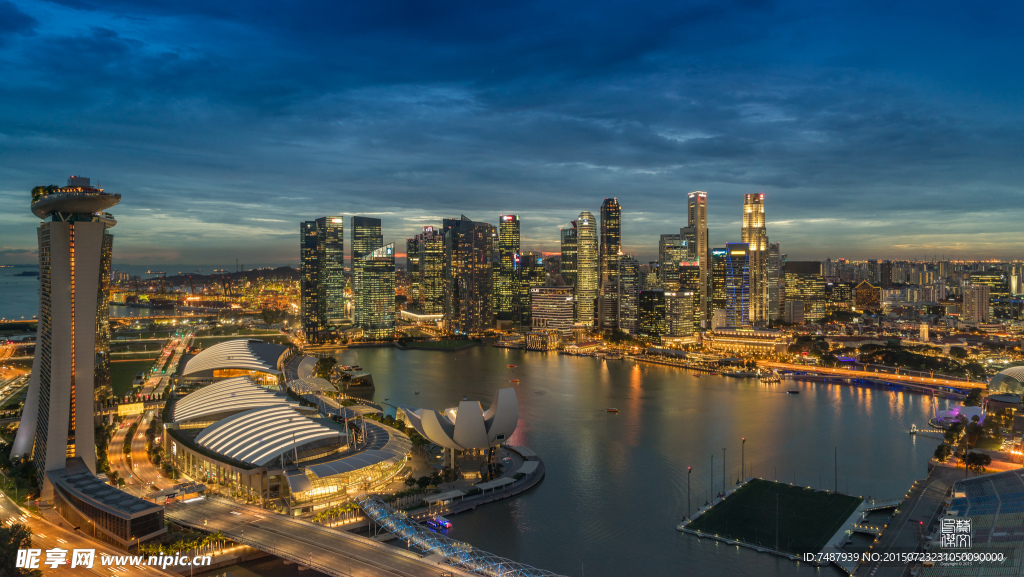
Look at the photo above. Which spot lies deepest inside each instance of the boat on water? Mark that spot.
(511, 366)
(772, 377)
(913, 428)
(514, 380)
(439, 523)
(612, 410)
(416, 392)
(793, 391)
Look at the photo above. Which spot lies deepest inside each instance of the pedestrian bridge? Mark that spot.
(455, 553)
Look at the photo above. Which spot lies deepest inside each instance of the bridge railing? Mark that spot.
(456, 553)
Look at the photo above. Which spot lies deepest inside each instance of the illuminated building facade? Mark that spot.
(774, 279)
(867, 297)
(468, 277)
(746, 341)
(375, 303)
(719, 256)
(507, 282)
(737, 284)
(366, 238)
(679, 313)
(531, 274)
(567, 263)
(429, 275)
(697, 214)
(322, 275)
(804, 282)
(586, 268)
(552, 308)
(57, 422)
(651, 313)
(414, 296)
(611, 246)
(689, 282)
(976, 304)
(629, 288)
(754, 233)
(309, 282)
(672, 250)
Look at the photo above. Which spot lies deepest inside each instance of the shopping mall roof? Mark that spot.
(257, 436)
(384, 445)
(230, 395)
(242, 354)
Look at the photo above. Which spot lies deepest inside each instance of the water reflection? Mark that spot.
(616, 483)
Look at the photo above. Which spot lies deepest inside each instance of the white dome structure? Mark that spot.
(467, 426)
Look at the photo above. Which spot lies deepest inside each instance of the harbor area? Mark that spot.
(778, 518)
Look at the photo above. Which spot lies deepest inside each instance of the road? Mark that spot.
(45, 535)
(889, 377)
(339, 552)
(142, 477)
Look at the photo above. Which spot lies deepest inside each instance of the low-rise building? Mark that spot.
(747, 341)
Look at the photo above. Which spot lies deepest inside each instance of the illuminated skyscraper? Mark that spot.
(429, 265)
(804, 282)
(717, 300)
(737, 284)
(586, 268)
(672, 250)
(552, 308)
(697, 214)
(468, 277)
(679, 313)
(774, 279)
(651, 313)
(976, 304)
(74, 245)
(414, 297)
(366, 238)
(322, 275)
(375, 302)
(567, 266)
(754, 233)
(689, 282)
(309, 282)
(506, 284)
(629, 288)
(611, 246)
(531, 274)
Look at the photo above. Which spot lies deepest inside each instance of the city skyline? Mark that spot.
(865, 143)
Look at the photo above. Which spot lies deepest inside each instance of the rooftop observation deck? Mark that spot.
(74, 200)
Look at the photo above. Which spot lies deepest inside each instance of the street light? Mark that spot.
(743, 458)
(688, 471)
(723, 472)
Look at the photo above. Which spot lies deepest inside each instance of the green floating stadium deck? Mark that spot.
(768, 515)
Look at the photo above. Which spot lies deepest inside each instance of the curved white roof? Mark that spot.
(243, 354)
(384, 445)
(237, 394)
(257, 436)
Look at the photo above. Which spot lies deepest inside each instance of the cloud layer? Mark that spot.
(873, 130)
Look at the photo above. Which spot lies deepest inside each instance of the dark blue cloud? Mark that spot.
(224, 124)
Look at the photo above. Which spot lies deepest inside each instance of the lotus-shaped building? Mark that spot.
(468, 426)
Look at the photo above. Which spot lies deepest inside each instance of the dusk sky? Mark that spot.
(875, 129)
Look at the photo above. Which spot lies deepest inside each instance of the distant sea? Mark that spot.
(19, 295)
